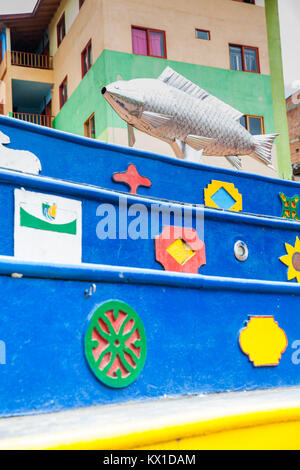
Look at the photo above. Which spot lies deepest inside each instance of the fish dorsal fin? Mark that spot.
(175, 80)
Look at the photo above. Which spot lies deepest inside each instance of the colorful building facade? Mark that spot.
(57, 59)
(293, 115)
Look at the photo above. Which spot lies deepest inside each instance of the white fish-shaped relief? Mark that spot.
(20, 160)
(177, 111)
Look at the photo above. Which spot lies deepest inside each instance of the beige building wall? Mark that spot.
(108, 23)
(227, 20)
(10, 72)
(86, 25)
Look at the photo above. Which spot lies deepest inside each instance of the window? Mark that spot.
(81, 2)
(63, 92)
(202, 34)
(61, 30)
(151, 42)
(254, 124)
(244, 58)
(86, 58)
(89, 127)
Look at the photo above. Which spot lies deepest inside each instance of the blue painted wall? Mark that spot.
(74, 158)
(192, 327)
(265, 237)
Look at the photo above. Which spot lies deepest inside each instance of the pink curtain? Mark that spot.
(156, 44)
(139, 41)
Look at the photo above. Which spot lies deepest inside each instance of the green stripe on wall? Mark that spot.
(28, 220)
(277, 84)
(248, 92)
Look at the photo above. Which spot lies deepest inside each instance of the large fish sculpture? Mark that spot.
(177, 111)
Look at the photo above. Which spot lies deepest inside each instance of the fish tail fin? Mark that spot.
(263, 148)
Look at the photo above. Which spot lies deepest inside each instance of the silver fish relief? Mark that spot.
(177, 111)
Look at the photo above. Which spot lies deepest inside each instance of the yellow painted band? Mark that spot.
(277, 429)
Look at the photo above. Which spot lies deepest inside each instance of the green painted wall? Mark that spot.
(250, 93)
(277, 84)
(84, 101)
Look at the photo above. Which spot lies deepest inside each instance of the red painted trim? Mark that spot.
(81, 2)
(151, 30)
(243, 56)
(86, 49)
(61, 87)
(204, 31)
(61, 22)
(243, 1)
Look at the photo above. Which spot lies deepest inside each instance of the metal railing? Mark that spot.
(29, 59)
(39, 119)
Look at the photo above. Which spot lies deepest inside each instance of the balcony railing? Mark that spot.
(39, 119)
(28, 59)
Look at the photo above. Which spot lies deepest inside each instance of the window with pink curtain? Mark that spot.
(156, 43)
(148, 42)
(139, 41)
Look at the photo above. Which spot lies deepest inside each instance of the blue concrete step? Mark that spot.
(192, 325)
(69, 157)
(264, 237)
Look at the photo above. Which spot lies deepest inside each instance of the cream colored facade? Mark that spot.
(81, 26)
(180, 19)
(108, 24)
(9, 72)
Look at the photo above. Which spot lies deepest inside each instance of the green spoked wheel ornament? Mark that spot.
(115, 344)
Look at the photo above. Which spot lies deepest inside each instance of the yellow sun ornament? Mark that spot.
(292, 260)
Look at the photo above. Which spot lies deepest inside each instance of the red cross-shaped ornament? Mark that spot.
(132, 178)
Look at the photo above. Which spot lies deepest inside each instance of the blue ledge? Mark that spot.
(92, 143)
(119, 274)
(85, 191)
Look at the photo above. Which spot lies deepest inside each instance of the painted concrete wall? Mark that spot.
(109, 26)
(227, 20)
(250, 93)
(277, 84)
(67, 59)
(71, 10)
